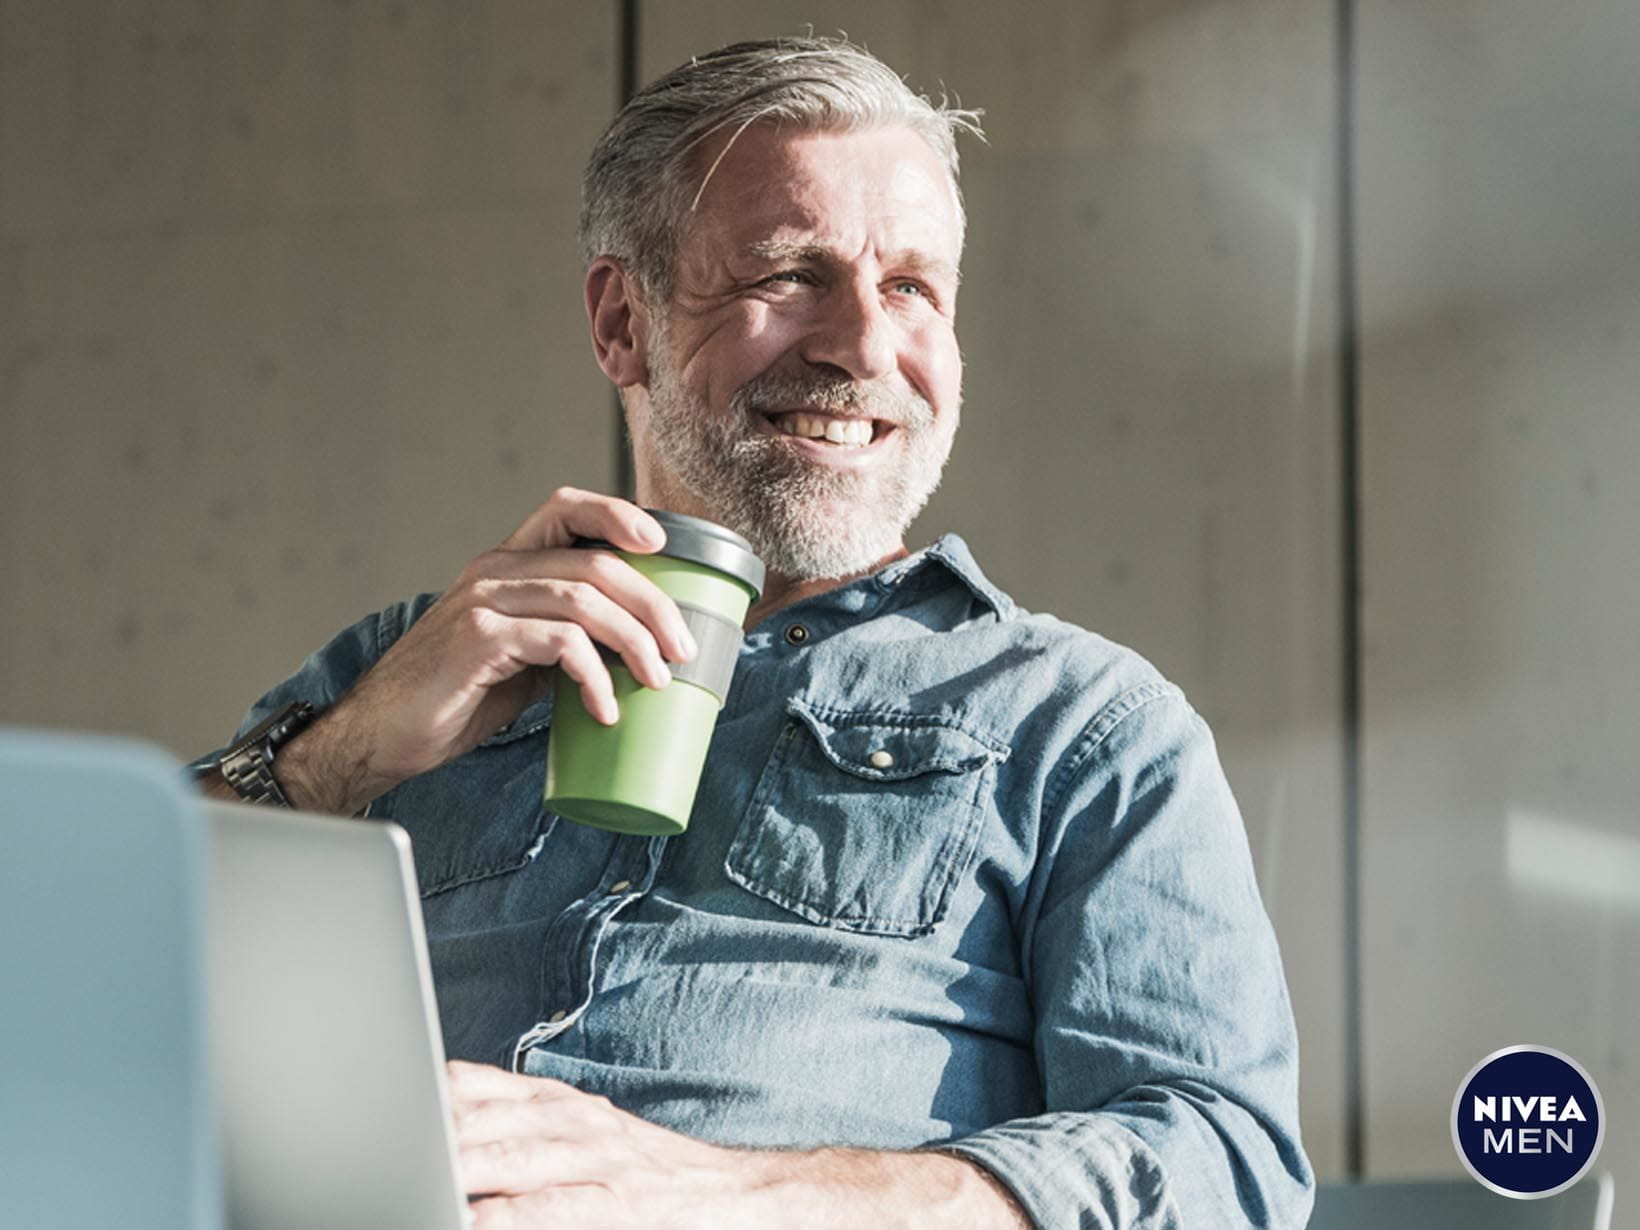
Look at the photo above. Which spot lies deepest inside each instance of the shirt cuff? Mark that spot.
(1070, 1169)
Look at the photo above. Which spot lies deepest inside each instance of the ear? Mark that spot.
(620, 322)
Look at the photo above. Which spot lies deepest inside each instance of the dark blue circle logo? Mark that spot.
(1527, 1121)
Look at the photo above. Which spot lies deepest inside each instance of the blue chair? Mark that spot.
(105, 1114)
(1459, 1204)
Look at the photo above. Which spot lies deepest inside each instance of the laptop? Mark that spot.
(328, 1059)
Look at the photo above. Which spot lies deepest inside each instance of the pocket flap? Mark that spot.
(888, 747)
(532, 721)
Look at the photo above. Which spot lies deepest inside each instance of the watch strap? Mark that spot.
(247, 766)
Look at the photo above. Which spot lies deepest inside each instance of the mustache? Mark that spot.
(874, 399)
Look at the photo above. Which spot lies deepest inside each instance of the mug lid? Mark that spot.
(698, 541)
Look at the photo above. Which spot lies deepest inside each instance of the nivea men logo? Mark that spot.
(1539, 1117)
(1527, 1121)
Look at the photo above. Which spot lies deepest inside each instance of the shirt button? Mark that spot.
(556, 1017)
(797, 634)
(620, 886)
(881, 759)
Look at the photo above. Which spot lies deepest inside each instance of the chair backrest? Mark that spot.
(105, 1114)
(1459, 1204)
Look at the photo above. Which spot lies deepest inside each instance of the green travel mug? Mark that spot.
(639, 775)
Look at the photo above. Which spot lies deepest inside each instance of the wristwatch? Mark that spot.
(247, 766)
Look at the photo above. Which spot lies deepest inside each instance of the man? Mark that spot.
(964, 923)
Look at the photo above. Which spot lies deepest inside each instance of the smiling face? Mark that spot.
(803, 382)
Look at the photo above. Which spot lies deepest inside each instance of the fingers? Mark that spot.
(572, 513)
(490, 1129)
(473, 1082)
(611, 601)
(516, 1134)
(535, 1151)
(494, 1121)
(568, 580)
(560, 621)
(579, 1204)
(568, 647)
(587, 608)
(513, 647)
(513, 1165)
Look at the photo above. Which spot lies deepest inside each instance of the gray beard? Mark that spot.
(806, 522)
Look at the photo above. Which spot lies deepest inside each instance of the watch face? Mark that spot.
(279, 727)
(261, 729)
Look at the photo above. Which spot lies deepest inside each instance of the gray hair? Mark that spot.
(642, 181)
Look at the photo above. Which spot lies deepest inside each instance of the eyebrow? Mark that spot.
(779, 250)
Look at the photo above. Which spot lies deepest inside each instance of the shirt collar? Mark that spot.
(951, 554)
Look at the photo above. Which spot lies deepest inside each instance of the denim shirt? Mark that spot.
(1030, 935)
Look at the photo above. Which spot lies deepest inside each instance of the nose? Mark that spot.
(853, 332)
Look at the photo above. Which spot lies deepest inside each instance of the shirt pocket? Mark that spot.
(865, 821)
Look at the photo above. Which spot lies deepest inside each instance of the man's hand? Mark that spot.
(483, 652)
(540, 1153)
(537, 1152)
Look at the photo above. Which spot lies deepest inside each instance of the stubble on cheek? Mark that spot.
(806, 520)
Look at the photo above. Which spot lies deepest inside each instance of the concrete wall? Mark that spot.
(1501, 290)
(290, 326)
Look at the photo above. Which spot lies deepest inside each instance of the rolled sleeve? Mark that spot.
(1071, 1168)
(330, 671)
(1164, 1036)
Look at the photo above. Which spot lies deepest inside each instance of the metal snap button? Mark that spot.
(881, 759)
(556, 1017)
(797, 634)
(620, 886)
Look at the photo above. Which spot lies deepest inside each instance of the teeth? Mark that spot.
(850, 432)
